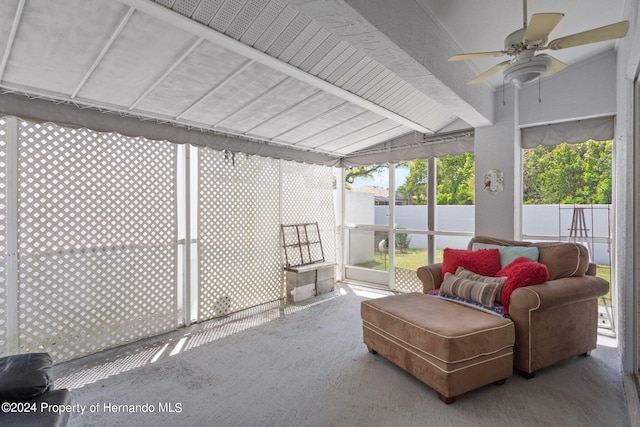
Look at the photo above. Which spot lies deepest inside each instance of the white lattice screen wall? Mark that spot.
(238, 232)
(407, 280)
(307, 196)
(242, 201)
(96, 237)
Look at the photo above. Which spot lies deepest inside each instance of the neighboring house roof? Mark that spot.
(381, 195)
(374, 189)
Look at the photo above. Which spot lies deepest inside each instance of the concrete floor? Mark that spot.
(305, 364)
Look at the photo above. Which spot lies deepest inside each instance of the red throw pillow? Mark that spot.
(485, 262)
(521, 272)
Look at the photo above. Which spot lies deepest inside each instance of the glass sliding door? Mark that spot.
(366, 224)
(400, 217)
(434, 210)
(411, 223)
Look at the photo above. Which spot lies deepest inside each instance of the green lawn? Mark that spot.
(418, 257)
(604, 271)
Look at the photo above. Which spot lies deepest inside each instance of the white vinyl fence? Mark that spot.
(540, 222)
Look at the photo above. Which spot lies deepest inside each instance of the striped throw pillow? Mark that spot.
(467, 274)
(480, 292)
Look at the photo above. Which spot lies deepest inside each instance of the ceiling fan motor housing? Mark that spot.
(527, 70)
(513, 43)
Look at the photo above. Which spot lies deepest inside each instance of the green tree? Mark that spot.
(362, 172)
(564, 179)
(568, 173)
(455, 178)
(535, 162)
(415, 186)
(597, 173)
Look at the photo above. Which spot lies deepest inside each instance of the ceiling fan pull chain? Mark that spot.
(503, 100)
(539, 97)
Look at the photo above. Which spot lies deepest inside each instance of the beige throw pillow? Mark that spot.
(467, 274)
(480, 292)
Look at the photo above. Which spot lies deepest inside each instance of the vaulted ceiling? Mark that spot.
(329, 77)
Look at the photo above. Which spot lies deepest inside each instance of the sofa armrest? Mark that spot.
(430, 276)
(556, 293)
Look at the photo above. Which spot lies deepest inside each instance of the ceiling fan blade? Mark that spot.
(556, 65)
(608, 32)
(541, 25)
(463, 56)
(490, 72)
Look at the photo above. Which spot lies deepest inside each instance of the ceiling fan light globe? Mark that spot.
(525, 71)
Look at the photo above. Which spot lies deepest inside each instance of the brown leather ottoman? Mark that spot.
(450, 347)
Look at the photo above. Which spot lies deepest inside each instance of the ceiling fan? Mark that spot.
(525, 66)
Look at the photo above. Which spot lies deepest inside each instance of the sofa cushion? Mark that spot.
(481, 292)
(521, 272)
(496, 241)
(509, 253)
(468, 274)
(25, 376)
(485, 262)
(563, 259)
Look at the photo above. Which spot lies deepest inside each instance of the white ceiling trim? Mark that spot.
(413, 146)
(12, 37)
(65, 113)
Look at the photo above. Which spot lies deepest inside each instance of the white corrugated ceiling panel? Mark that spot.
(299, 114)
(54, 47)
(376, 139)
(300, 85)
(139, 56)
(206, 67)
(290, 93)
(321, 123)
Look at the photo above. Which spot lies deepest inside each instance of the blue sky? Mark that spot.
(382, 179)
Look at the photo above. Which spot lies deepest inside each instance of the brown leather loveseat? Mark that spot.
(555, 320)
